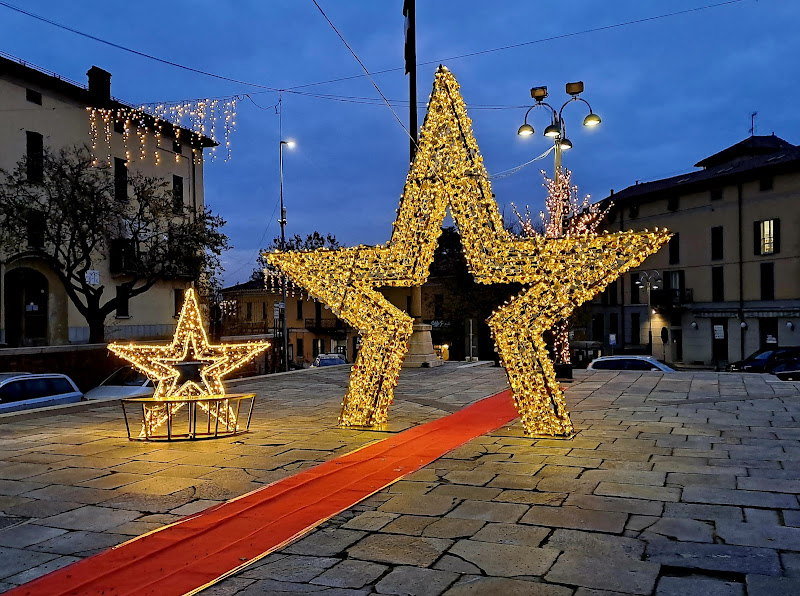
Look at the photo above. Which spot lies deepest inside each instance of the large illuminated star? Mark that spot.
(189, 366)
(558, 274)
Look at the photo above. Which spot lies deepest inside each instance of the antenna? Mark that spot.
(753, 123)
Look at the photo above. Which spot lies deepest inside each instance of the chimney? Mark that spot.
(99, 84)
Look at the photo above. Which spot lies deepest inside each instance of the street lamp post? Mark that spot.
(556, 130)
(650, 281)
(284, 281)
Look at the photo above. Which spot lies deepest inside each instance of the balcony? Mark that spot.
(326, 326)
(671, 298)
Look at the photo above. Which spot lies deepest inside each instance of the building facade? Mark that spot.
(728, 283)
(250, 310)
(40, 110)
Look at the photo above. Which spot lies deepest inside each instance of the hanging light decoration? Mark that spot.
(196, 118)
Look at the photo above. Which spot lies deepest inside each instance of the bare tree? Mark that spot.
(69, 217)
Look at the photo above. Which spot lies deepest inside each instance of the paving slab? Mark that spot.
(667, 461)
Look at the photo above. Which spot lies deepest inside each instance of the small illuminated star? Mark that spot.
(189, 366)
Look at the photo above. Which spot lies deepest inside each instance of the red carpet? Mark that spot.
(200, 549)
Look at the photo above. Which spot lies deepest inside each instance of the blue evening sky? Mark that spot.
(669, 91)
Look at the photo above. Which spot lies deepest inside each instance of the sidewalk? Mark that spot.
(676, 484)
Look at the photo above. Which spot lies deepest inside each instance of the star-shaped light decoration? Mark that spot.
(558, 274)
(189, 366)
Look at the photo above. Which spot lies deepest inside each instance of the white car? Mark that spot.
(637, 363)
(23, 391)
(124, 382)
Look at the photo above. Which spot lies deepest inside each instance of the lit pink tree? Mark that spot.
(565, 215)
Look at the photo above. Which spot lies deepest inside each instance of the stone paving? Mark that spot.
(681, 483)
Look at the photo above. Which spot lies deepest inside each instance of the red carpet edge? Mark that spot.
(198, 551)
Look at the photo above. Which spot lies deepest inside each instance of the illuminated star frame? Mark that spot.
(557, 274)
(189, 344)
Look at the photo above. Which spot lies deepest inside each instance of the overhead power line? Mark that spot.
(294, 88)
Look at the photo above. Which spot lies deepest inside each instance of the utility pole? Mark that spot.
(420, 348)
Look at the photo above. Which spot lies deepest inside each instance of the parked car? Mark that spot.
(640, 363)
(764, 360)
(23, 391)
(124, 382)
(329, 360)
(788, 370)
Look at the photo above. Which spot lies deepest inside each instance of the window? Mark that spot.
(35, 228)
(11, 391)
(248, 316)
(635, 289)
(613, 324)
(717, 284)
(177, 147)
(716, 243)
(408, 304)
(766, 183)
(119, 126)
(636, 328)
(178, 301)
(122, 302)
(264, 311)
(675, 249)
(767, 281)
(612, 293)
(716, 194)
(438, 306)
(633, 212)
(673, 203)
(59, 385)
(598, 327)
(767, 237)
(317, 348)
(34, 151)
(177, 193)
(33, 388)
(300, 348)
(33, 96)
(300, 310)
(120, 179)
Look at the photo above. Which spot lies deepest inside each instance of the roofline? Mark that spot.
(786, 166)
(18, 68)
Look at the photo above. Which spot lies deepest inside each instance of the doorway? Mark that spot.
(26, 297)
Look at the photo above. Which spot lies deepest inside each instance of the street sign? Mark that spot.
(719, 332)
(280, 305)
(612, 339)
(93, 277)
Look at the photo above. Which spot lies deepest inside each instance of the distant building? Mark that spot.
(731, 273)
(40, 110)
(250, 310)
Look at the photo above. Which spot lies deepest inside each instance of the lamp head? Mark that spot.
(539, 93)
(575, 88)
(565, 144)
(525, 130)
(552, 131)
(290, 144)
(591, 119)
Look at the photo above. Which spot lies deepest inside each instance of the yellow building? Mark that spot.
(250, 310)
(729, 281)
(40, 110)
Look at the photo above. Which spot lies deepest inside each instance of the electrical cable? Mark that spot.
(371, 80)
(358, 76)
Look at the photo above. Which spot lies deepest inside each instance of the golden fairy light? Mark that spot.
(558, 274)
(189, 366)
(199, 117)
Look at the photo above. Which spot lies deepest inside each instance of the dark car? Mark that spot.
(329, 360)
(764, 360)
(788, 370)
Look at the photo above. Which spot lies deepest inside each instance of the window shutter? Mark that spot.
(756, 238)
(776, 235)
